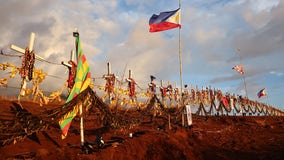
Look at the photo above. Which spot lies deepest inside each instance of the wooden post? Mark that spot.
(31, 43)
(108, 69)
(182, 117)
(81, 125)
(72, 55)
(129, 72)
(163, 98)
(108, 74)
(71, 59)
(188, 115)
(169, 119)
(161, 88)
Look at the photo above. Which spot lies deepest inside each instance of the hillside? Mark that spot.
(211, 137)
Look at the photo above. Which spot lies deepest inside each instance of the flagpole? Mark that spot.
(268, 101)
(243, 75)
(76, 34)
(266, 92)
(82, 126)
(245, 85)
(180, 53)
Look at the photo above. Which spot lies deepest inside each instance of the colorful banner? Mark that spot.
(82, 81)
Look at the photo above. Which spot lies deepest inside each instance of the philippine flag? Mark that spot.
(261, 93)
(165, 20)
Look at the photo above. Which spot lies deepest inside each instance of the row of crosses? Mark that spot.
(28, 61)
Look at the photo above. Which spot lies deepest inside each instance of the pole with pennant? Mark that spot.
(165, 21)
(243, 75)
(76, 34)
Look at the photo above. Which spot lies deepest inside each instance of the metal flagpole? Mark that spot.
(243, 75)
(180, 53)
(244, 78)
(266, 94)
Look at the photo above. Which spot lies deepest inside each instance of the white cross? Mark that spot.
(21, 50)
(72, 58)
(70, 67)
(31, 45)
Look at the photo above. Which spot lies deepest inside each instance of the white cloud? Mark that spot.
(203, 36)
(263, 5)
(277, 73)
(258, 13)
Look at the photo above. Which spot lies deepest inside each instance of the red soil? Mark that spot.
(214, 137)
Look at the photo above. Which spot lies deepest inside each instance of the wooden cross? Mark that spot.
(163, 93)
(131, 87)
(110, 81)
(31, 45)
(21, 50)
(71, 65)
(67, 64)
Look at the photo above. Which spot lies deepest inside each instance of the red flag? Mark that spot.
(225, 101)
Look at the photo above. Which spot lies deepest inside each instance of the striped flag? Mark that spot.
(261, 93)
(165, 21)
(82, 81)
(66, 120)
(83, 75)
(239, 69)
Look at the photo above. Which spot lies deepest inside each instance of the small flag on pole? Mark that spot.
(165, 21)
(152, 77)
(261, 93)
(239, 69)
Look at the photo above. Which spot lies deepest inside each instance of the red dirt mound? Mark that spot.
(214, 137)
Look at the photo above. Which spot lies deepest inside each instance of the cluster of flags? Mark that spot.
(171, 19)
(240, 69)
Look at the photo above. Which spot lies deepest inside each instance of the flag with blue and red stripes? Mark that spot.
(165, 21)
(261, 93)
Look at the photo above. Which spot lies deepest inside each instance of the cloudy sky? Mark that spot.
(117, 31)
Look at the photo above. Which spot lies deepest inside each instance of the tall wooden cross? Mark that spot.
(23, 51)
